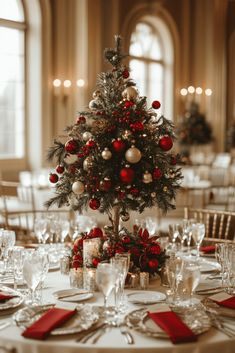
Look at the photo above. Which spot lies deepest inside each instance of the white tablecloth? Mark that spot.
(112, 341)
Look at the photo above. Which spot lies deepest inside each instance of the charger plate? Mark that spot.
(195, 318)
(13, 302)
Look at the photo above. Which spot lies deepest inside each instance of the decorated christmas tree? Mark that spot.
(116, 157)
(193, 128)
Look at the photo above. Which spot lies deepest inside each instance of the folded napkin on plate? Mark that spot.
(53, 318)
(209, 249)
(224, 299)
(4, 297)
(171, 323)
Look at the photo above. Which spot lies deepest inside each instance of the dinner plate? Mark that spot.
(197, 320)
(209, 266)
(82, 320)
(145, 297)
(13, 302)
(205, 288)
(73, 295)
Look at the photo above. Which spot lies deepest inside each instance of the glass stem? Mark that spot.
(198, 250)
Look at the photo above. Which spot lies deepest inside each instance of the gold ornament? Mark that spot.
(165, 188)
(96, 94)
(106, 154)
(78, 187)
(127, 134)
(86, 136)
(147, 178)
(125, 216)
(130, 93)
(133, 155)
(88, 163)
(153, 194)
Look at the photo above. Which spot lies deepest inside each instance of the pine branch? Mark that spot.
(56, 151)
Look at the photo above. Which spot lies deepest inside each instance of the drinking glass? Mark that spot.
(174, 233)
(173, 271)
(191, 276)
(7, 241)
(106, 278)
(32, 273)
(40, 229)
(198, 233)
(121, 265)
(64, 230)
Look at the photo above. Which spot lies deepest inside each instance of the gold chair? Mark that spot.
(220, 225)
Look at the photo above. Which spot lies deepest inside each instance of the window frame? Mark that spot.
(18, 162)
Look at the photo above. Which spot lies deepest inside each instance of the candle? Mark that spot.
(89, 279)
(144, 280)
(76, 277)
(91, 250)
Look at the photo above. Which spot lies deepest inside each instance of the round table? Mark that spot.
(112, 341)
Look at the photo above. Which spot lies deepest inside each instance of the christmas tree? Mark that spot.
(193, 128)
(116, 157)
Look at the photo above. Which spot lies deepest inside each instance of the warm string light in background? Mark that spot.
(63, 88)
(197, 95)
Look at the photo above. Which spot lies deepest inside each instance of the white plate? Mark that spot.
(205, 288)
(209, 266)
(145, 297)
(11, 303)
(72, 295)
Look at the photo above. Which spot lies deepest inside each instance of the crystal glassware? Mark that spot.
(198, 233)
(191, 276)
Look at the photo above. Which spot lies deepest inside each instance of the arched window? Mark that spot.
(12, 79)
(151, 62)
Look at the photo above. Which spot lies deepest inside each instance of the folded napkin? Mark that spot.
(53, 318)
(171, 323)
(224, 299)
(4, 297)
(209, 249)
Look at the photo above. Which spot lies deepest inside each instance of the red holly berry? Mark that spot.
(94, 204)
(118, 145)
(125, 73)
(154, 249)
(157, 173)
(128, 104)
(156, 104)
(53, 178)
(95, 261)
(135, 192)
(153, 264)
(165, 143)
(71, 146)
(127, 175)
(59, 169)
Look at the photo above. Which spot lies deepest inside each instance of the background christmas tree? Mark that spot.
(116, 157)
(193, 129)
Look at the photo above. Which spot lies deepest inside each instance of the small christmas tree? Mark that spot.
(116, 157)
(194, 129)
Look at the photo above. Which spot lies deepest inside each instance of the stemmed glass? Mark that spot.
(187, 230)
(121, 264)
(106, 278)
(64, 230)
(173, 271)
(198, 233)
(174, 232)
(191, 276)
(40, 229)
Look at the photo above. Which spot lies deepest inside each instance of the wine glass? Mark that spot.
(174, 233)
(198, 233)
(173, 271)
(40, 229)
(106, 277)
(187, 230)
(121, 264)
(64, 230)
(32, 273)
(191, 276)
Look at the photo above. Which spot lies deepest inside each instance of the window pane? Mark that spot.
(156, 84)
(138, 74)
(11, 10)
(11, 93)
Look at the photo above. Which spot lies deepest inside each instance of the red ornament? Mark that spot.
(153, 264)
(137, 126)
(90, 143)
(96, 232)
(94, 204)
(157, 173)
(105, 185)
(156, 104)
(127, 175)
(134, 191)
(125, 73)
(81, 120)
(95, 261)
(128, 104)
(53, 178)
(118, 145)
(166, 143)
(59, 169)
(71, 146)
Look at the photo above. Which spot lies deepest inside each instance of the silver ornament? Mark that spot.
(96, 94)
(130, 93)
(88, 163)
(106, 154)
(86, 136)
(93, 105)
(125, 216)
(147, 178)
(78, 187)
(133, 155)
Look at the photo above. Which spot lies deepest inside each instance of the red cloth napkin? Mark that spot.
(4, 297)
(173, 326)
(228, 303)
(53, 318)
(209, 249)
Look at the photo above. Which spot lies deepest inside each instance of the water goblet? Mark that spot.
(191, 276)
(106, 278)
(64, 230)
(198, 233)
(40, 229)
(174, 233)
